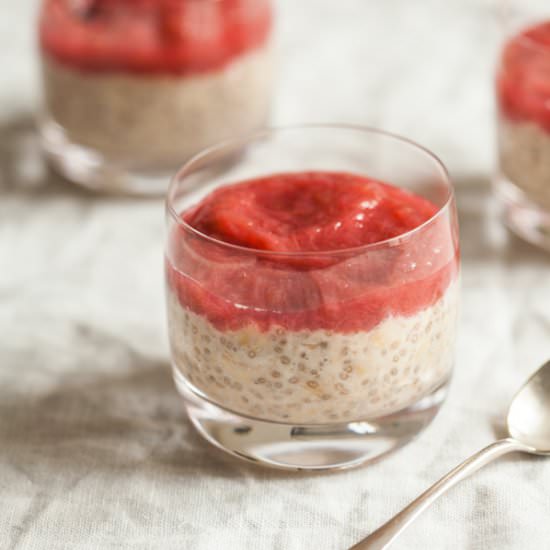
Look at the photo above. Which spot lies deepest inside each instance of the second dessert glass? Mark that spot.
(313, 360)
(134, 88)
(523, 100)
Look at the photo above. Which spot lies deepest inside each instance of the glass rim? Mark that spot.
(188, 166)
(529, 43)
(518, 36)
(70, 2)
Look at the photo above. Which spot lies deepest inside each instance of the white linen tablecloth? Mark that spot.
(95, 449)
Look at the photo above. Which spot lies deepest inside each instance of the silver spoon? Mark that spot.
(528, 425)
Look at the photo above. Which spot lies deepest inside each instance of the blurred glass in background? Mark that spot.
(523, 96)
(134, 88)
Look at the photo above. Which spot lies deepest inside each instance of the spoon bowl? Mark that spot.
(528, 419)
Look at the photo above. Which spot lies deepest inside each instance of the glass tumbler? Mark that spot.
(312, 360)
(131, 88)
(522, 182)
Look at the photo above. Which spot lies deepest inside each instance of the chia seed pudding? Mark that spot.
(309, 340)
(147, 84)
(524, 152)
(316, 376)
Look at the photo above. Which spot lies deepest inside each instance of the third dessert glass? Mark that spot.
(523, 97)
(311, 305)
(134, 87)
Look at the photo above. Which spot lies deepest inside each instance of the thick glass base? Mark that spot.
(90, 169)
(307, 447)
(522, 216)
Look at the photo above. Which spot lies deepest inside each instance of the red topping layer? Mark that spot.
(523, 81)
(152, 36)
(334, 286)
(309, 211)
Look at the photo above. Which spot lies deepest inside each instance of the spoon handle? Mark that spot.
(384, 535)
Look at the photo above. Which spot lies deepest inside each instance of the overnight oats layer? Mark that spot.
(296, 335)
(148, 83)
(523, 97)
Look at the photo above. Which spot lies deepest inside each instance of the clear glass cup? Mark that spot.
(131, 88)
(313, 360)
(522, 182)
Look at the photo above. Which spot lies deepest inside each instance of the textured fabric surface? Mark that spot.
(95, 449)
